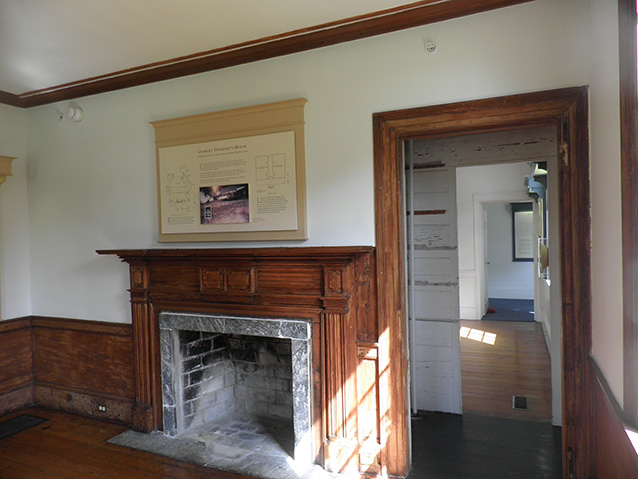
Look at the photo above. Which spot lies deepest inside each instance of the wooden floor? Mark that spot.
(445, 446)
(517, 363)
(451, 446)
(74, 447)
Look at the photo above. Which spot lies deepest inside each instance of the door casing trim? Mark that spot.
(567, 109)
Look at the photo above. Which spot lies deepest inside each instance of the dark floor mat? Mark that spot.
(18, 424)
(510, 310)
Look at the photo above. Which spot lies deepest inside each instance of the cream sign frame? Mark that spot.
(236, 175)
(5, 167)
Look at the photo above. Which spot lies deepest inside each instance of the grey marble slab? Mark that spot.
(240, 443)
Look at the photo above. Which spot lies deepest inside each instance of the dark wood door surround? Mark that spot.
(333, 288)
(567, 109)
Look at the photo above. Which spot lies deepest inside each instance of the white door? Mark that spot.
(434, 289)
(486, 266)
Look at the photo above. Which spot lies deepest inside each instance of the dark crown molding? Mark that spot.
(349, 29)
(10, 99)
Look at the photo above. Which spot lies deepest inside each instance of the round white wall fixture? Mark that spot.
(75, 113)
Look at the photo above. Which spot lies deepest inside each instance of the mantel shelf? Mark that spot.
(191, 254)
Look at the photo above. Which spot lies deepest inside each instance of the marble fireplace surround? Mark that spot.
(297, 331)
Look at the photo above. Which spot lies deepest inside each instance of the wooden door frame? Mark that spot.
(568, 110)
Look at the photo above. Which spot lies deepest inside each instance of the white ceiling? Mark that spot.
(46, 43)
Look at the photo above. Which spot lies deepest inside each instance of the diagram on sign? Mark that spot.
(179, 189)
(271, 168)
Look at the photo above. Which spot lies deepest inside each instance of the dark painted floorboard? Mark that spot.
(449, 446)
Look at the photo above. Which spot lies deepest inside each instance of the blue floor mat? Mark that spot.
(510, 310)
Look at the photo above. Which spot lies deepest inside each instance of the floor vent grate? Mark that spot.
(520, 403)
(18, 424)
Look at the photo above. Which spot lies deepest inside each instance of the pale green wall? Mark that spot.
(605, 192)
(92, 184)
(15, 286)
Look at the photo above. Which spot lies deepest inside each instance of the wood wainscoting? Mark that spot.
(16, 360)
(614, 457)
(78, 366)
(84, 367)
(333, 288)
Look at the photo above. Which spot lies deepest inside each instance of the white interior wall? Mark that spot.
(506, 278)
(605, 193)
(92, 184)
(15, 288)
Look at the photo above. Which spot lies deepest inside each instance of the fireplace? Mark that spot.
(318, 303)
(216, 365)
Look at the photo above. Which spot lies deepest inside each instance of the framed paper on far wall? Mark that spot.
(236, 175)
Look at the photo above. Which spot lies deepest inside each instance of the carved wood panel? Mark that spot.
(231, 279)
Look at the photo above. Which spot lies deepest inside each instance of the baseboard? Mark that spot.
(546, 335)
(15, 400)
(468, 314)
(116, 409)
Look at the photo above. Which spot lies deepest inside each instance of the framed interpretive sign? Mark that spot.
(236, 175)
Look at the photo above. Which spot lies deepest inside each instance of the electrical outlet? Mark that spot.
(101, 408)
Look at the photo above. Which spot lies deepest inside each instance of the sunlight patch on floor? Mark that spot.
(478, 335)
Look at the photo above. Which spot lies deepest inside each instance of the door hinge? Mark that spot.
(570, 463)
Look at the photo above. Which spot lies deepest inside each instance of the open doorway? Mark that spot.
(566, 110)
(471, 355)
(509, 259)
(474, 229)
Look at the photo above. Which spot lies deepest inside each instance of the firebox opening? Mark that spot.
(224, 373)
(237, 387)
(240, 387)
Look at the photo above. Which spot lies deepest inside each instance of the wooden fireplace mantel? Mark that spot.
(334, 288)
